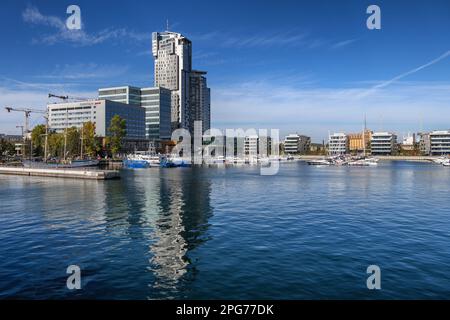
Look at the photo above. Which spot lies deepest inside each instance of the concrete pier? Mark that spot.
(62, 173)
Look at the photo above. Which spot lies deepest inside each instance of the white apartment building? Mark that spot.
(439, 142)
(383, 143)
(99, 112)
(294, 143)
(338, 144)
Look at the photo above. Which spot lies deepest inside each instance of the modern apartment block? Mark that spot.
(439, 142)
(294, 144)
(155, 100)
(424, 144)
(338, 144)
(383, 143)
(100, 112)
(173, 70)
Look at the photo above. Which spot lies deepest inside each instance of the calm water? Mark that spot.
(305, 233)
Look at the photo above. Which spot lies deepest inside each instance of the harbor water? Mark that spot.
(229, 233)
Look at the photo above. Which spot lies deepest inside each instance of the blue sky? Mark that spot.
(300, 66)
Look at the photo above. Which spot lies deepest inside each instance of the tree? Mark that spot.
(90, 142)
(56, 144)
(116, 132)
(6, 148)
(73, 142)
(38, 139)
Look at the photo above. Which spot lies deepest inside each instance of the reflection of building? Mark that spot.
(180, 206)
(295, 143)
(358, 143)
(338, 144)
(440, 142)
(383, 143)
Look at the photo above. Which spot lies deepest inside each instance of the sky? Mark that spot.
(299, 66)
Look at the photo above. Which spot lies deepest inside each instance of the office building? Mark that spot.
(294, 144)
(199, 101)
(439, 142)
(155, 100)
(383, 143)
(99, 112)
(338, 144)
(124, 94)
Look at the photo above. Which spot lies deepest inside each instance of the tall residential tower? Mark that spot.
(173, 70)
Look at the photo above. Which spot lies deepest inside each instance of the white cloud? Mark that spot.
(77, 37)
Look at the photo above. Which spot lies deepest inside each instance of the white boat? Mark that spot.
(320, 162)
(152, 160)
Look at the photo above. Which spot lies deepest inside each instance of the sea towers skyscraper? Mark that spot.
(173, 70)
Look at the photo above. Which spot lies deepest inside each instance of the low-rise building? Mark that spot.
(338, 144)
(358, 142)
(295, 144)
(425, 144)
(99, 112)
(440, 142)
(383, 143)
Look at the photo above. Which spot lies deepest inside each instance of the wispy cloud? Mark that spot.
(85, 71)
(344, 43)
(403, 75)
(33, 16)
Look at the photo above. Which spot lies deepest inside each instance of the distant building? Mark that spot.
(338, 144)
(155, 100)
(251, 145)
(294, 144)
(408, 143)
(358, 143)
(425, 144)
(100, 112)
(11, 138)
(440, 142)
(383, 143)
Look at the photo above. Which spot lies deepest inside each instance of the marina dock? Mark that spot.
(62, 173)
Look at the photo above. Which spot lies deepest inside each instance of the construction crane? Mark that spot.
(27, 113)
(67, 98)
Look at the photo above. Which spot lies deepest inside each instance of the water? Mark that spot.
(306, 233)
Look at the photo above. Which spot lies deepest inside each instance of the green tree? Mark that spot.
(38, 139)
(73, 142)
(90, 142)
(116, 132)
(56, 144)
(6, 148)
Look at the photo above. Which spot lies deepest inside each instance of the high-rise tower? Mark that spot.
(173, 63)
